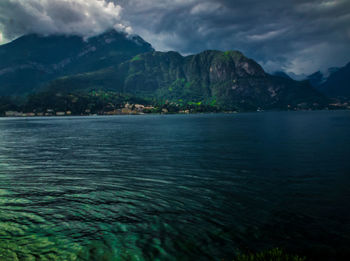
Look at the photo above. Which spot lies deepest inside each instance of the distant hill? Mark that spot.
(281, 74)
(335, 83)
(225, 79)
(316, 79)
(29, 62)
(338, 83)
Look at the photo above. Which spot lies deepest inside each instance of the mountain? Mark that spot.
(333, 83)
(338, 83)
(297, 77)
(30, 61)
(281, 74)
(228, 80)
(316, 79)
(127, 65)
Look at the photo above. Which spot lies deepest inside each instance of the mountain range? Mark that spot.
(31, 61)
(334, 83)
(225, 79)
(124, 64)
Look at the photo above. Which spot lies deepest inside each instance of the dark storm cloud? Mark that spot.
(294, 35)
(298, 36)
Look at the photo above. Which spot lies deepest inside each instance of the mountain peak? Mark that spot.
(337, 83)
(118, 36)
(42, 58)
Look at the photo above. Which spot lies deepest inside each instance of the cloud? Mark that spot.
(293, 35)
(80, 17)
(266, 35)
(299, 36)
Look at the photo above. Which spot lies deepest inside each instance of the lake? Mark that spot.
(175, 187)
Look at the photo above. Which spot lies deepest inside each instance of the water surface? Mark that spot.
(175, 187)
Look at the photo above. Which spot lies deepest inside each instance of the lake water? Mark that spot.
(175, 187)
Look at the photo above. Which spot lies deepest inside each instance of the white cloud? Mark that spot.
(80, 17)
(266, 36)
(317, 57)
(205, 8)
(298, 36)
(124, 28)
(295, 36)
(271, 66)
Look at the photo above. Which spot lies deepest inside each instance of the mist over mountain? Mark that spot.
(316, 79)
(282, 74)
(337, 84)
(333, 83)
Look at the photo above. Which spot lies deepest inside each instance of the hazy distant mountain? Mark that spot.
(281, 74)
(297, 77)
(316, 79)
(30, 61)
(337, 84)
(226, 79)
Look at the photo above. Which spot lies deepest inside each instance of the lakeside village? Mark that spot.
(90, 104)
(128, 109)
(110, 103)
(135, 109)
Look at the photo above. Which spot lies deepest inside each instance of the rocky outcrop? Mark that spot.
(228, 80)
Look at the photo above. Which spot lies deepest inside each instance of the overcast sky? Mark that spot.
(296, 36)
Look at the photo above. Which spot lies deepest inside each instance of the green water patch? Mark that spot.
(37, 247)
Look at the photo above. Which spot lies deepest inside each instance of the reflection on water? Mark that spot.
(177, 187)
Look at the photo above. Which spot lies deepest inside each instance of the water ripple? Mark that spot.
(174, 187)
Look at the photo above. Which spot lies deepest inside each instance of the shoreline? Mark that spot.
(148, 114)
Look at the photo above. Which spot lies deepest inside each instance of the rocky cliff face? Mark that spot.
(228, 80)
